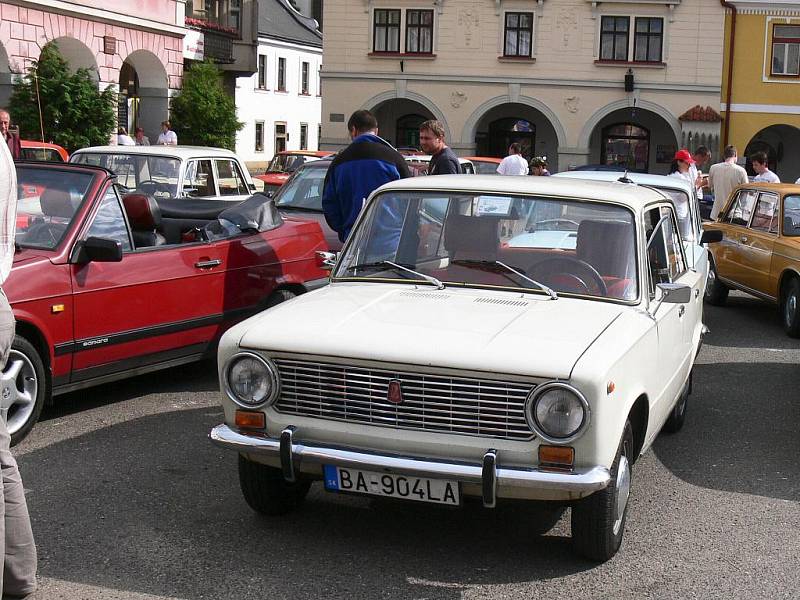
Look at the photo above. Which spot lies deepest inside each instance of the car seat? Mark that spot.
(608, 247)
(144, 216)
(58, 207)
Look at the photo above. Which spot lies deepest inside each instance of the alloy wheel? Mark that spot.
(18, 390)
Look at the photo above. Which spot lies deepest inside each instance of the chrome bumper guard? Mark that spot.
(488, 474)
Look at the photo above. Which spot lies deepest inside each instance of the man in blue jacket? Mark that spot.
(357, 171)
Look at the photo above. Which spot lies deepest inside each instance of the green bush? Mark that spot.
(203, 114)
(75, 114)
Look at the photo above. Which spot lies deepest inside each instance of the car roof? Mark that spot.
(182, 152)
(305, 152)
(786, 188)
(633, 196)
(488, 159)
(659, 181)
(35, 144)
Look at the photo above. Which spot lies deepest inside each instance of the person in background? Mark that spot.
(514, 163)
(723, 178)
(167, 137)
(140, 138)
(761, 167)
(11, 138)
(358, 170)
(701, 156)
(680, 166)
(18, 575)
(538, 166)
(443, 160)
(123, 139)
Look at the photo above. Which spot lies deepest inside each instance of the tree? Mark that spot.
(203, 114)
(75, 114)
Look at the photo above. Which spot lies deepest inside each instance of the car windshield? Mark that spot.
(286, 163)
(145, 173)
(303, 191)
(485, 167)
(48, 200)
(485, 240)
(682, 209)
(41, 154)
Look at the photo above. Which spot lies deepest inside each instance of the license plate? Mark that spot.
(421, 489)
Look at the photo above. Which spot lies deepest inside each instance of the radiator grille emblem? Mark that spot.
(395, 395)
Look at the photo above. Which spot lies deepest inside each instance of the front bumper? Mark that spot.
(488, 475)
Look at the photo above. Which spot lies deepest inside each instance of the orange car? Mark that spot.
(760, 249)
(286, 162)
(42, 151)
(485, 165)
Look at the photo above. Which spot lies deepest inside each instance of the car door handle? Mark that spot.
(696, 292)
(208, 264)
(681, 310)
(743, 239)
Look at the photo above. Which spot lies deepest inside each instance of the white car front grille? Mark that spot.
(436, 403)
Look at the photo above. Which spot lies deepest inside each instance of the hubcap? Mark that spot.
(18, 390)
(623, 485)
(791, 309)
(711, 279)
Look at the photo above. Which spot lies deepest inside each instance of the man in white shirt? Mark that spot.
(167, 137)
(514, 163)
(760, 163)
(17, 548)
(723, 179)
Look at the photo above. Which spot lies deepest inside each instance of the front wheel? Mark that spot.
(716, 291)
(266, 491)
(790, 303)
(23, 389)
(598, 521)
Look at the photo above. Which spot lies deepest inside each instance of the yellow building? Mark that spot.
(761, 82)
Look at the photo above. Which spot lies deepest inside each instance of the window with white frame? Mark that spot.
(281, 74)
(786, 50)
(518, 34)
(259, 147)
(262, 71)
(644, 46)
(281, 137)
(304, 78)
(319, 80)
(411, 30)
(303, 136)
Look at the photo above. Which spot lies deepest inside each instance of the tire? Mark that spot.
(278, 296)
(598, 521)
(266, 491)
(23, 388)
(790, 307)
(677, 415)
(716, 291)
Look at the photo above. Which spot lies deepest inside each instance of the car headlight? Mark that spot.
(251, 380)
(557, 412)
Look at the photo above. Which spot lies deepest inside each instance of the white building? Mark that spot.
(281, 104)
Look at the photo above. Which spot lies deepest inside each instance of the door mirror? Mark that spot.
(252, 187)
(326, 260)
(96, 249)
(711, 236)
(675, 293)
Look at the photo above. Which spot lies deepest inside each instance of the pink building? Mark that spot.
(134, 46)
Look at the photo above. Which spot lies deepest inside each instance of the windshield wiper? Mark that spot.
(382, 263)
(550, 292)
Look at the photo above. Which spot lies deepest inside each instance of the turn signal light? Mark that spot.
(250, 420)
(557, 458)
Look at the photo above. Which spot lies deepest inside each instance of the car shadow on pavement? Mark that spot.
(186, 379)
(741, 430)
(151, 506)
(758, 324)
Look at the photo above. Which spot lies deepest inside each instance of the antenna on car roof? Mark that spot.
(624, 178)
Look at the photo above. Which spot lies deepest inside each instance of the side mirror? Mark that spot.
(675, 293)
(252, 187)
(96, 249)
(326, 260)
(711, 236)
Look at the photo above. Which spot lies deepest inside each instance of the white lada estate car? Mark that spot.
(442, 362)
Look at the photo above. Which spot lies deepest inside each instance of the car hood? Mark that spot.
(467, 329)
(274, 178)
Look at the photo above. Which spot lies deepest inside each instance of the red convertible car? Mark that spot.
(106, 286)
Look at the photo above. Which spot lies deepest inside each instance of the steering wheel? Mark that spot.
(571, 269)
(558, 220)
(150, 187)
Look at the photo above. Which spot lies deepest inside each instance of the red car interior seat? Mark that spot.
(470, 238)
(608, 247)
(144, 215)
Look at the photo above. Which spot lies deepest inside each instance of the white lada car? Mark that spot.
(443, 362)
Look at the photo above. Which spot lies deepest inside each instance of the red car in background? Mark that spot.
(43, 151)
(284, 163)
(485, 165)
(105, 286)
